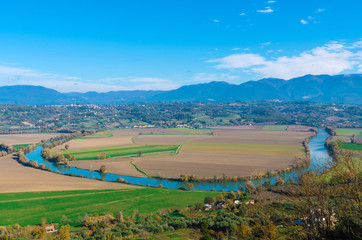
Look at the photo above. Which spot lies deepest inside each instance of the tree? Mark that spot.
(63, 232)
(189, 186)
(139, 154)
(66, 147)
(38, 232)
(249, 187)
(102, 169)
(208, 200)
(103, 155)
(43, 222)
(243, 231)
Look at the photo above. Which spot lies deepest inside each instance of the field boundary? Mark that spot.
(139, 170)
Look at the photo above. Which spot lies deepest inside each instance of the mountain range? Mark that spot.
(317, 88)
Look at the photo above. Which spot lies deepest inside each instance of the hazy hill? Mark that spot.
(320, 88)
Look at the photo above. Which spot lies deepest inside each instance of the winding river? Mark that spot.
(318, 152)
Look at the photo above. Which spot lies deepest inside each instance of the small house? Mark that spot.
(207, 207)
(50, 228)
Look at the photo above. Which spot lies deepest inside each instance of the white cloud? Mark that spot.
(242, 14)
(215, 20)
(25, 76)
(208, 77)
(265, 44)
(320, 10)
(271, 2)
(266, 10)
(332, 58)
(239, 61)
(303, 21)
(235, 49)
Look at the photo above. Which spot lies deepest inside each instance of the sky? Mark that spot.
(109, 45)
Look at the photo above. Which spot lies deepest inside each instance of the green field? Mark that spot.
(17, 146)
(349, 146)
(29, 208)
(191, 131)
(274, 128)
(98, 135)
(117, 151)
(349, 132)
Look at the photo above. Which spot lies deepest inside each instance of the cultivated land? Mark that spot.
(14, 177)
(349, 132)
(233, 152)
(117, 151)
(19, 139)
(29, 208)
(229, 152)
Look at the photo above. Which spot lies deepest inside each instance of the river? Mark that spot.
(319, 160)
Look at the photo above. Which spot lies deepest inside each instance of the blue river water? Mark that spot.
(319, 161)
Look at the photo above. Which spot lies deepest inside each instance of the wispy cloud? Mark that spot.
(271, 1)
(10, 75)
(216, 20)
(332, 58)
(207, 77)
(304, 21)
(320, 10)
(266, 10)
(242, 14)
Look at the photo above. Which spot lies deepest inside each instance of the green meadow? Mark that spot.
(98, 135)
(117, 151)
(274, 128)
(28, 208)
(191, 131)
(349, 132)
(349, 146)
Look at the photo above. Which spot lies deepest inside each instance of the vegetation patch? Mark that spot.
(18, 146)
(117, 151)
(98, 135)
(275, 128)
(191, 131)
(349, 132)
(31, 207)
(350, 146)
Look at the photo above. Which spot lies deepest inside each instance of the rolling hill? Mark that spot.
(317, 88)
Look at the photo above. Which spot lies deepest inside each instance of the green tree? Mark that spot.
(63, 232)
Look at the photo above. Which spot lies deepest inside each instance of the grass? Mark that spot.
(117, 151)
(17, 146)
(349, 132)
(243, 149)
(191, 131)
(350, 146)
(274, 128)
(29, 208)
(98, 135)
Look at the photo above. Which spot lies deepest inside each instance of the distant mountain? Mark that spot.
(318, 88)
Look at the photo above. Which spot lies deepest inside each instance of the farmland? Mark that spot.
(14, 177)
(30, 207)
(349, 146)
(233, 152)
(95, 153)
(24, 139)
(98, 135)
(349, 132)
(171, 152)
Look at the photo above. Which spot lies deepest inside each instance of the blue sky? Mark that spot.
(145, 44)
